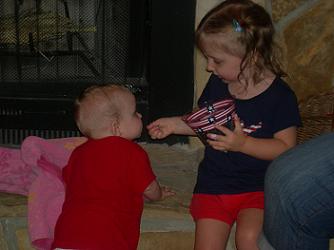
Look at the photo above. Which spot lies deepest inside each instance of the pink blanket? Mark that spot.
(15, 175)
(35, 170)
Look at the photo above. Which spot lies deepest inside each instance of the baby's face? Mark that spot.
(130, 122)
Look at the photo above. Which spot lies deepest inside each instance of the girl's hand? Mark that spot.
(164, 127)
(161, 128)
(231, 140)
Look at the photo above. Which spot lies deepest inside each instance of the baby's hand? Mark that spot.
(166, 192)
(230, 140)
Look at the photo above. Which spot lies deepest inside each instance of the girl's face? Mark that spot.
(225, 65)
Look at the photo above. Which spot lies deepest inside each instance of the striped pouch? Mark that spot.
(203, 120)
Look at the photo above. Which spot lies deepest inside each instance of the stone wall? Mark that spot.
(307, 33)
(281, 8)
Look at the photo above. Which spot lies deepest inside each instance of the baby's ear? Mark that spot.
(114, 127)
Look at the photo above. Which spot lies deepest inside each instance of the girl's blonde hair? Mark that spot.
(253, 40)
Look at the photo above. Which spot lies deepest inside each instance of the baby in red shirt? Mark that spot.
(107, 177)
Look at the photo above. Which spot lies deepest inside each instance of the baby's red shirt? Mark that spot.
(105, 180)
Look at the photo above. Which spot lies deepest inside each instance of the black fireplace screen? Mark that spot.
(50, 50)
(59, 40)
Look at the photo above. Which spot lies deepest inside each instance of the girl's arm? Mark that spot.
(164, 127)
(265, 149)
(269, 149)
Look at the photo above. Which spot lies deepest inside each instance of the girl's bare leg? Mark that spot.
(211, 234)
(249, 228)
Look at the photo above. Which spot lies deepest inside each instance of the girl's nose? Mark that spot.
(139, 115)
(209, 65)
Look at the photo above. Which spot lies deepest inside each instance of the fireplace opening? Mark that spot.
(51, 50)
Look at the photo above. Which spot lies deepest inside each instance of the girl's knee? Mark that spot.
(246, 240)
(211, 234)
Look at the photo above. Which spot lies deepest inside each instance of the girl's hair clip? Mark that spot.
(236, 26)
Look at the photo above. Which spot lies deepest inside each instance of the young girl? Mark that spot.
(236, 37)
(107, 176)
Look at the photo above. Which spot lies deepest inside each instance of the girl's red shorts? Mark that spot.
(224, 207)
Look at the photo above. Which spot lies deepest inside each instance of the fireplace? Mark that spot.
(52, 49)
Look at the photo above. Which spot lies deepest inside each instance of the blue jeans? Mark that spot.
(299, 197)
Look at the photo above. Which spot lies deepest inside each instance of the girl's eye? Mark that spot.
(217, 61)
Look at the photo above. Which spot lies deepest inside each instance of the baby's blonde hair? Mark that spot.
(97, 106)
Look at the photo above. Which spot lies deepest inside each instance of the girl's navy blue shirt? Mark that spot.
(273, 110)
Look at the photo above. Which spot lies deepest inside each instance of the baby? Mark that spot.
(107, 176)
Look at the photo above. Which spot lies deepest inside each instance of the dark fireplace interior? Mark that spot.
(51, 50)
